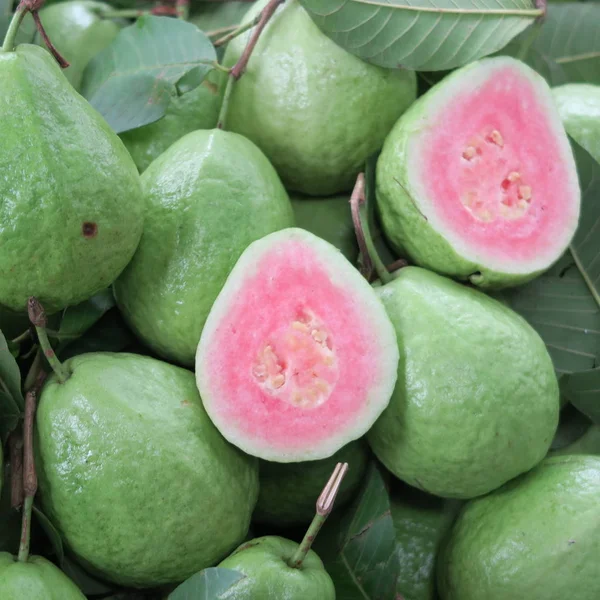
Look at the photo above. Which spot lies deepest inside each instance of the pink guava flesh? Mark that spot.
(497, 170)
(292, 361)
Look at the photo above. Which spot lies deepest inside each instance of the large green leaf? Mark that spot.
(132, 81)
(11, 397)
(209, 584)
(583, 391)
(427, 35)
(51, 532)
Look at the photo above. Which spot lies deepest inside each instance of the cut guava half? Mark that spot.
(298, 356)
(477, 179)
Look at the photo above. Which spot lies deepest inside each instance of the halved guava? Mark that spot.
(297, 357)
(477, 179)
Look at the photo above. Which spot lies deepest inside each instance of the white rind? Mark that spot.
(341, 274)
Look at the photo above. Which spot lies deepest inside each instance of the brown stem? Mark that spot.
(29, 474)
(57, 55)
(36, 312)
(357, 199)
(15, 444)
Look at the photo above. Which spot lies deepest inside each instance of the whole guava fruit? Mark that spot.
(194, 109)
(78, 33)
(314, 109)
(34, 579)
(71, 206)
(288, 492)
(579, 108)
(265, 563)
(476, 401)
(208, 196)
(141, 486)
(535, 537)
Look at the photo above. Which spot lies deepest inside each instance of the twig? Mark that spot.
(221, 30)
(238, 31)
(356, 200)
(15, 444)
(63, 63)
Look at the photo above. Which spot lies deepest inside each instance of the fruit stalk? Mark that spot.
(13, 28)
(324, 508)
(16, 469)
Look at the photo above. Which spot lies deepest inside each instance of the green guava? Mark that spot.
(195, 109)
(288, 492)
(208, 196)
(265, 563)
(536, 537)
(314, 109)
(66, 232)
(35, 579)
(329, 218)
(476, 402)
(477, 179)
(78, 32)
(579, 108)
(140, 485)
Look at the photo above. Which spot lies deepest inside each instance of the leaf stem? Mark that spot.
(134, 13)
(324, 508)
(221, 31)
(182, 8)
(13, 28)
(233, 34)
(23, 337)
(585, 275)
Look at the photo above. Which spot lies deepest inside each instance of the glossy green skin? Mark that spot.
(137, 480)
(36, 579)
(329, 218)
(536, 537)
(314, 109)
(289, 491)
(476, 402)
(579, 108)
(208, 197)
(74, 170)
(78, 33)
(264, 561)
(196, 109)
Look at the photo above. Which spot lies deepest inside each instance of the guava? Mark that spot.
(579, 107)
(208, 196)
(72, 207)
(268, 575)
(329, 218)
(78, 32)
(476, 402)
(288, 492)
(536, 537)
(141, 486)
(194, 109)
(477, 179)
(297, 357)
(314, 109)
(34, 579)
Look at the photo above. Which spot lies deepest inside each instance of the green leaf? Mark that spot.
(215, 17)
(10, 518)
(573, 424)
(426, 35)
(89, 585)
(51, 533)
(209, 584)
(583, 391)
(132, 81)
(11, 398)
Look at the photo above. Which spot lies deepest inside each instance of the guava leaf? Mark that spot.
(583, 391)
(10, 518)
(572, 425)
(217, 18)
(51, 533)
(11, 397)
(563, 305)
(426, 35)
(209, 584)
(89, 585)
(131, 82)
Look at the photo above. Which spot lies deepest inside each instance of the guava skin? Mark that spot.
(78, 33)
(119, 444)
(579, 108)
(71, 208)
(476, 402)
(314, 109)
(264, 562)
(196, 109)
(288, 492)
(329, 218)
(36, 579)
(536, 537)
(208, 197)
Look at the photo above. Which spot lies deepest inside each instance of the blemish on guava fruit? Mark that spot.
(89, 229)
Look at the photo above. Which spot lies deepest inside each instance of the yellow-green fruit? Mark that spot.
(537, 537)
(314, 109)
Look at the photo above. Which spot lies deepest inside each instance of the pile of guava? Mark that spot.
(299, 300)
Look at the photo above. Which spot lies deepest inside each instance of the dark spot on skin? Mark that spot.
(211, 86)
(571, 542)
(186, 403)
(49, 353)
(89, 229)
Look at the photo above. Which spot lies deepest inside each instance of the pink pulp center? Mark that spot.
(494, 167)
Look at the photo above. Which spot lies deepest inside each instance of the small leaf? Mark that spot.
(131, 82)
(209, 584)
(583, 391)
(10, 376)
(426, 35)
(52, 534)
